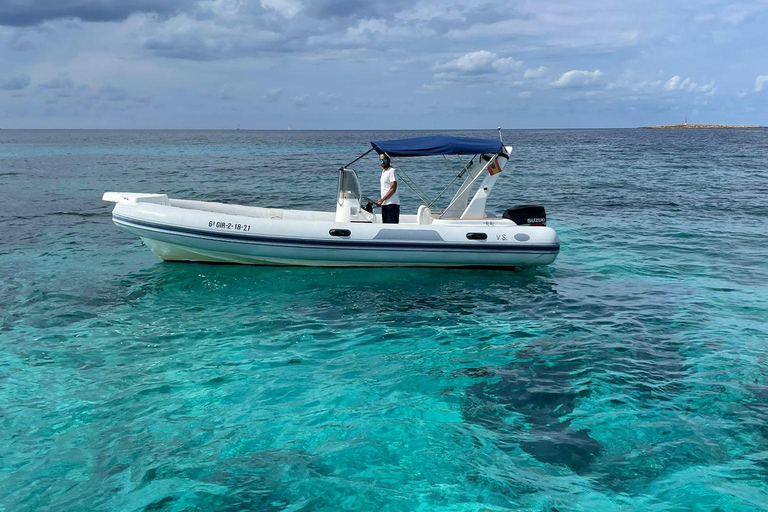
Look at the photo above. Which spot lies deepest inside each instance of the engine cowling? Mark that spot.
(527, 215)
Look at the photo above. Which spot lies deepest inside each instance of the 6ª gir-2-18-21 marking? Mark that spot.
(229, 225)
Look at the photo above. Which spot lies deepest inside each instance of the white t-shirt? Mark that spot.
(387, 177)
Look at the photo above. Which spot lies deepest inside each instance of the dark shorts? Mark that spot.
(390, 213)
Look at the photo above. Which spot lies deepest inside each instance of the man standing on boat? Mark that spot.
(390, 201)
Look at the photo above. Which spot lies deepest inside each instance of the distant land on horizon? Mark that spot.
(688, 126)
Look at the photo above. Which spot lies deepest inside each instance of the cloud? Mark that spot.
(535, 73)
(224, 94)
(708, 89)
(507, 64)
(760, 82)
(449, 46)
(468, 63)
(371, 103)
(367, 36)
(272, 95)
(475, 64)
(33, 12)
(186, 37)
(62, 81)
(478, 63)
(325, 98)
(428, 88)
(285, 8)
(110, 93)
(577, 78)
(736, 14)
(636, 86)
(20, 42)
(597, 25)
(15, 83)
(369, 26)
(226, 29)
(345, 9)
(677, 83)
(704, 17)
(632, 88)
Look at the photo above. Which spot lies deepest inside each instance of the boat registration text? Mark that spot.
(229, 225)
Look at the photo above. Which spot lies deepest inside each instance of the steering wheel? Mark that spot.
(370, 204)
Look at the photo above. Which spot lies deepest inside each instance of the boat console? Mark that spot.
(348, 208)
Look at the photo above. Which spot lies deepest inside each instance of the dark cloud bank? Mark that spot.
(26, 13)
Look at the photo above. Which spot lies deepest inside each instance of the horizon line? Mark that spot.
(342, 129)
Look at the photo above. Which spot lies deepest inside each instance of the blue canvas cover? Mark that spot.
(436, 145)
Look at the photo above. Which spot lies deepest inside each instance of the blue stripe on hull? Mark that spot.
(336, 244)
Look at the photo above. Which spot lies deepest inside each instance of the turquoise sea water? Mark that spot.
(628, 375)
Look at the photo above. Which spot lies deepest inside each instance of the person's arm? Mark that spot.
(390, 193)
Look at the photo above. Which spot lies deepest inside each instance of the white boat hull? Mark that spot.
(179, 230)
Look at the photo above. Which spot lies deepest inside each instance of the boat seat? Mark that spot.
(424, 216)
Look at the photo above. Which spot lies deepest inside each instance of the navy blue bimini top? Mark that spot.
(436, 145)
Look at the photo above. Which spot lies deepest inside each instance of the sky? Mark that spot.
(399, 64)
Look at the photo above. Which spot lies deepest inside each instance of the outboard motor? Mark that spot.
(527, 215)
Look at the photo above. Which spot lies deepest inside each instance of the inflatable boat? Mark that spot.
(462, 234)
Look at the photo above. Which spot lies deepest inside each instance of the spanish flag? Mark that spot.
(493, 167)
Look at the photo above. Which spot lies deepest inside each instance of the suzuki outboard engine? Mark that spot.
(527, 215)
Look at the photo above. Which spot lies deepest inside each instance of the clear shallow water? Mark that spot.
(629, 375)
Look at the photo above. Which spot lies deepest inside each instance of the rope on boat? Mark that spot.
(355, 160)
(416, 189)
(459, 175)
(470, 183)
(420, 193)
